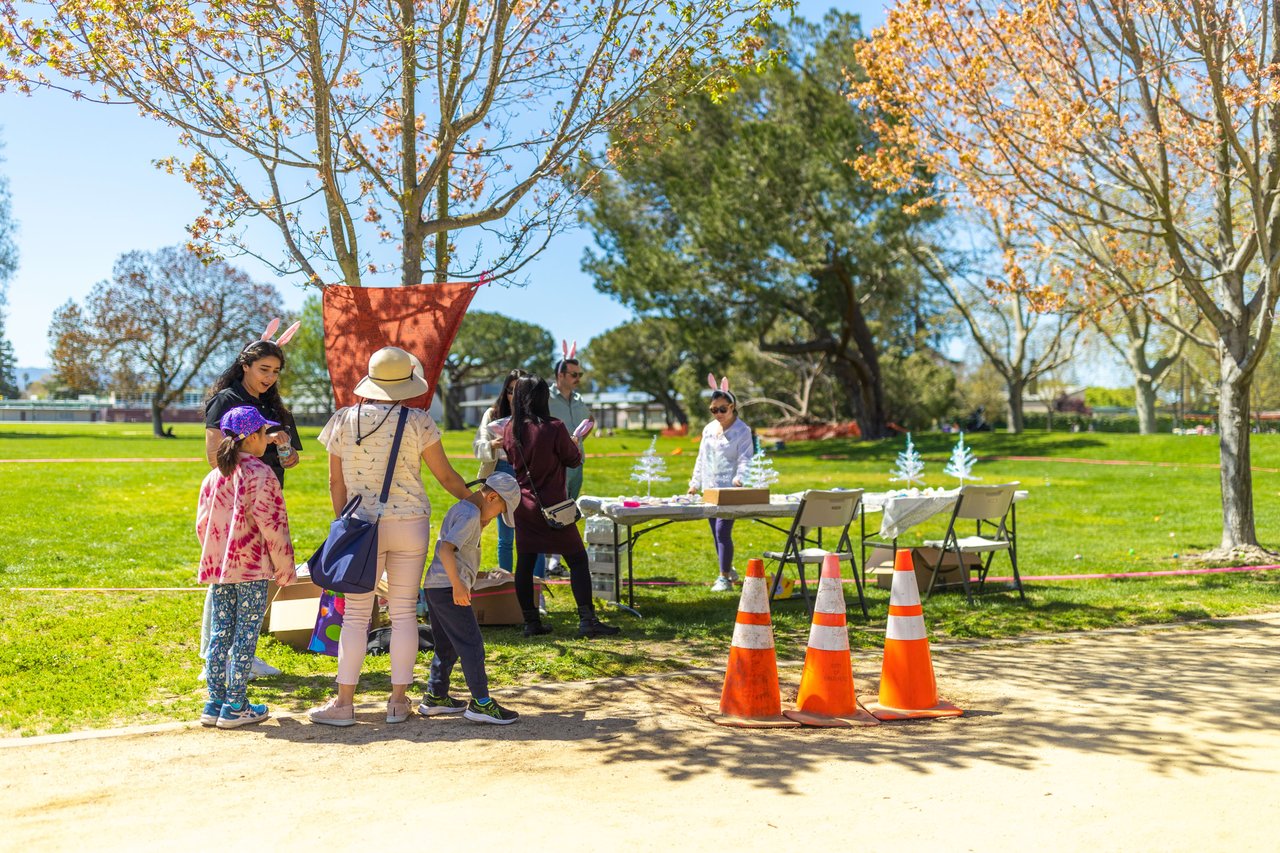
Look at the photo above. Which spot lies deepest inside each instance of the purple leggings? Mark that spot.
(722, 532)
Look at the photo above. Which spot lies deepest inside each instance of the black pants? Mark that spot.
(455, 634)
(579, 581)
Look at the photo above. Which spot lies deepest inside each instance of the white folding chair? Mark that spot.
(991, 510)
(819, 510)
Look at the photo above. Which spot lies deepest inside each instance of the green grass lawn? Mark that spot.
(72, 660)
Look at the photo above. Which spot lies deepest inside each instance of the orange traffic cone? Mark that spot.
(750, 698)
(907, 686)
(826, 686)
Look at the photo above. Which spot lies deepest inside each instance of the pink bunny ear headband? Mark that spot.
(284, 338)
(568, 352)
(723, 387)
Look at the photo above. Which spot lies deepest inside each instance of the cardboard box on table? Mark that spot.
(735, 496)
(880, 564)
(493, 598)
(291, 614)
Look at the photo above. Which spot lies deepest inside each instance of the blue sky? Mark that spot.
(84, 192)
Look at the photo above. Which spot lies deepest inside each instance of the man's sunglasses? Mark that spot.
(575, 374)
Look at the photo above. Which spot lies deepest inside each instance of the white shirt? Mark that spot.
(732, 450)
(365, 465)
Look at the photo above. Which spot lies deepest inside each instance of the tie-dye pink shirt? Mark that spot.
(242, 525)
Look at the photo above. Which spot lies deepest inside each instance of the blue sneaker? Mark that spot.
(209, 716)
(232, 717)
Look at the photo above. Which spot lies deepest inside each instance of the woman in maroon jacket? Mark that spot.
(540, 448)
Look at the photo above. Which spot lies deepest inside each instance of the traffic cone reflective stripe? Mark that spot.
(753, 631)
(906, 622)
(826, 696)
(908, 688)
(750, 697)
(828, 632)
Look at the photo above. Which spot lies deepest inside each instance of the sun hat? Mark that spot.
(244, 421)
(505, 485)
(393, 375)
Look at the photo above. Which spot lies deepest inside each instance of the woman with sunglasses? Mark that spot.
(488, 448)
(723, 454)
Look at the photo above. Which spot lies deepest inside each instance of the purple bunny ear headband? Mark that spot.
(723, 388)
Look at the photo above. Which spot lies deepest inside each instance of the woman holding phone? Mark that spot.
(541, 450)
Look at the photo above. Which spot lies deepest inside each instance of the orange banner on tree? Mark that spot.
(420, 318)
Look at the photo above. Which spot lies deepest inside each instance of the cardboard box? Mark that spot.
(880, 564)
(291, 614)
(735, 496)
(493, 598)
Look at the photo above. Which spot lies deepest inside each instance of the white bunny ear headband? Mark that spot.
(568, 352)
(284, 338)
(723, 388)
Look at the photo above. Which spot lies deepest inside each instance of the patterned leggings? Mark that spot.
(238, 609)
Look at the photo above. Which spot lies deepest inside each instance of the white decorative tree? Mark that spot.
(962, 462)
(910, 465)
(650, 468)
(760, 471)
(717, 473)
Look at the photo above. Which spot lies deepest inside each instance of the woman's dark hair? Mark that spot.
(502, 406)
(228, 454)
(529, 404)
(254, 352)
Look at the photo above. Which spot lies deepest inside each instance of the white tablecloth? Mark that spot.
(902, 510)
(779, 506)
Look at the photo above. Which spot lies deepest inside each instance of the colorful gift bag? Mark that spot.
(324, 638)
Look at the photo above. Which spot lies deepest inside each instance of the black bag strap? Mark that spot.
(391, 462)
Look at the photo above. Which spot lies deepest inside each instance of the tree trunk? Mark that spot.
(453, 406)
(157, 418)
(672, 408)
(1144, 391)
(1234, 455)
(442, 237)
(866, 400)
(1015, 389)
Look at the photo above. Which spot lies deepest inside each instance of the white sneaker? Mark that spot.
(261, 669)
(733, 574)
(722, 584)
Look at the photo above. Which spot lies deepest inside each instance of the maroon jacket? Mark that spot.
(545, 450)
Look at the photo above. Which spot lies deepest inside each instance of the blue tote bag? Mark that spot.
(348, 560)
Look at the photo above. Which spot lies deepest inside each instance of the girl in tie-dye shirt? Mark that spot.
(244, 542)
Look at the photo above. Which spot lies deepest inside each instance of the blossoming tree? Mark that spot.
(1105, 122)
(372, 135)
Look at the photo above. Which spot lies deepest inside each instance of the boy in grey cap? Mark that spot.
(454, 629)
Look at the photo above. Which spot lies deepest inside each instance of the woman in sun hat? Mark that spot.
(359, 440)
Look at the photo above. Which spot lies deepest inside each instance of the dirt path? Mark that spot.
(1163, 740)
